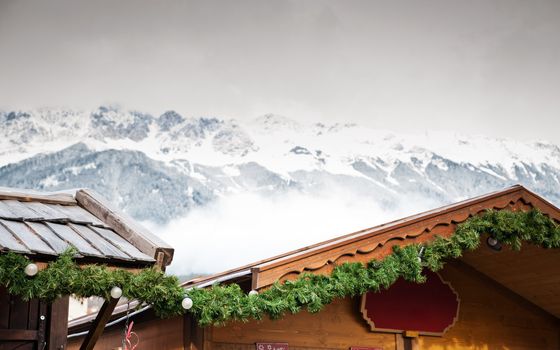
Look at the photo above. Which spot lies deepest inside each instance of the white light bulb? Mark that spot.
(253, 293)
(492, 241)
(187, 303)
(116, 292)
(31, 269)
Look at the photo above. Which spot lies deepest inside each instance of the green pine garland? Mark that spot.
(64, 277)
(219, 304)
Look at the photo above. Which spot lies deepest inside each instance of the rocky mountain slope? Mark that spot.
(159, 167)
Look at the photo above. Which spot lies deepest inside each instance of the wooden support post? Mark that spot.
(408, 340)
(98, 325)
(399, 341)
(193, 334)
(58, 323)
(160, 261)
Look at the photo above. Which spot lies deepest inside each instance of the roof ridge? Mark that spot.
(26, 195)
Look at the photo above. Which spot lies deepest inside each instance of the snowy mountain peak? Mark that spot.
(275, 122)
(197, 159)
(110, 122)
(169, 120)
(172, 135)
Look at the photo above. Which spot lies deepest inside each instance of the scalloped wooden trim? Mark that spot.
(271, 262)
(374, 242)
(455, 219)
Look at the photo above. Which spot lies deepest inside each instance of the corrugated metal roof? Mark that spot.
(48, 225)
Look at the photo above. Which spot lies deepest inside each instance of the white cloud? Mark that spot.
(243, 228)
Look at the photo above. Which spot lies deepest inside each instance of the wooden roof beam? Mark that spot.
(99, 323)
(126, 227)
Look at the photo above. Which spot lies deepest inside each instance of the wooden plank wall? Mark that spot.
(339, 326)
(490, 317)
(155, 334)
(20, 326)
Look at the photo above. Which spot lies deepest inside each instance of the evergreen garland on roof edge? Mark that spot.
(219, 304)
(64, 277)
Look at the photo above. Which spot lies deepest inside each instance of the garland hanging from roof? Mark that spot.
(219, 304)
(64, 277)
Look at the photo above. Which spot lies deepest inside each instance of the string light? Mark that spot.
(31, 269)
(253, 293)
(116, 292)
(187, 303)
(493, 243)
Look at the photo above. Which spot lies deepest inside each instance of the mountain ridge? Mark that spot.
(175, 163)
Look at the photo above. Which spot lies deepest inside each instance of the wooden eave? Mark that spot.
(531, 273)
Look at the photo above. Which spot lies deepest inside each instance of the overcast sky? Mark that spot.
(482, 66)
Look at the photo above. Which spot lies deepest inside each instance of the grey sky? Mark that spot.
(483, 66)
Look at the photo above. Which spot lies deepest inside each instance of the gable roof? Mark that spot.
(43, 226)
(376, 242)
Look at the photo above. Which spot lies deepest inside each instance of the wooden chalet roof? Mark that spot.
(536, 265)
(43, 226)
(375, 242)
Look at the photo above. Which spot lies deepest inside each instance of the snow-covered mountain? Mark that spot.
(159, 167)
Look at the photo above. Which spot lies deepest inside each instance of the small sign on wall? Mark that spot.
(271, 346)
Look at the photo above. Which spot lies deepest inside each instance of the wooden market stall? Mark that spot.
(42, 227)
(493, 297)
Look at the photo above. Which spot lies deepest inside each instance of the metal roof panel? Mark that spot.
(70, 236)
(123, 244)
(99, 242)
(9, 242)
(27, 236)
(22, 210)
(58, 244)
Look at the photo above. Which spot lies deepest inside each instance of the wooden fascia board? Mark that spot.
(391, 226)
(406, 229)
(542, 204)
(419, 220)
(125, 226)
